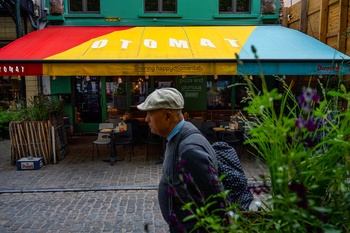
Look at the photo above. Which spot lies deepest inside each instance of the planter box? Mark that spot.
(31, 138)
(30, 164)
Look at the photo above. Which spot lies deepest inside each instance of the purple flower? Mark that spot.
(309, 142)
(215, 181)
(180, 165)
(310, 125)
(199, 198)
(308, 95)
(307, 99)
(300, 123)
(301, 191)
(261, 188)
(187, 178)
(172, 218)
(171, 191)
(211, 170)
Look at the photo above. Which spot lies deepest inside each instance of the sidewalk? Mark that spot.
(99, 197)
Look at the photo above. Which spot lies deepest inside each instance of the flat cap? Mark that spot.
(164, 98)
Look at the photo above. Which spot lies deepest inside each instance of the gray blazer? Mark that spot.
(197, 160)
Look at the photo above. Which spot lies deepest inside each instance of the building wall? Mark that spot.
(31, 86)
(327, 21)
(288, 3)
(189, 12)
(8, 31)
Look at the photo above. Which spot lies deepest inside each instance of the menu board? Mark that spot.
(194, 91)
(61, 140)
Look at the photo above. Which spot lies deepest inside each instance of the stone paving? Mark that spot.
(81, 195)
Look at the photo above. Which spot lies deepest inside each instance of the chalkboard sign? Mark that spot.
(194, 91)
(61, 140)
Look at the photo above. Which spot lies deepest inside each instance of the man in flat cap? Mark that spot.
(189, 167)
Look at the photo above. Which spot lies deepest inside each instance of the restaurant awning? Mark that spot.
(177, 50)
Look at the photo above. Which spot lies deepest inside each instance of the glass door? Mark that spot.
(88, 99)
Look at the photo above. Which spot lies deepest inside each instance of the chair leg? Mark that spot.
(93, 149)
(147, 152)
(132, 150)
(98, 152)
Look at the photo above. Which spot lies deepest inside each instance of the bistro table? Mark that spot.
(112, 156)
(223, 131)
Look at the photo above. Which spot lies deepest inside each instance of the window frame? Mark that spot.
(234, 8)
(84, 6)
(160, 4)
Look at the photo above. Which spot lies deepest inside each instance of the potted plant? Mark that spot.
(307, 155)
(32, 135)
(6, 116)
(307, 188)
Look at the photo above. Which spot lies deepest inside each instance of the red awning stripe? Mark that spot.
(53, 40)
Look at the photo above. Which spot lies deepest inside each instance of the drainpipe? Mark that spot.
(18, 18)
(36, 24)
(37, 27)
(42, 14)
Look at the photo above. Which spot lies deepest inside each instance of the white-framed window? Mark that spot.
(234, 6)
(84, 6)
(160, 6)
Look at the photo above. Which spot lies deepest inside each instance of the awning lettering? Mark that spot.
(328, 68)
(11, 70)
(153, 44)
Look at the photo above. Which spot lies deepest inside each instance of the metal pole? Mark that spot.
(18, 18)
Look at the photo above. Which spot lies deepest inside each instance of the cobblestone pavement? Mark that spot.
(81, 195)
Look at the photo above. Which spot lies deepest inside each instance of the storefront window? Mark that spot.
(160, 6)
(240, 93)
(139, 90)
(234, 6)
(88, 97)
(162, 82)
(9, 92)
(219, 92)
(116, 90)
(116, 93)
(84, 6)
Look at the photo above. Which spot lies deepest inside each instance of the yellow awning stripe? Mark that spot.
(153, 43)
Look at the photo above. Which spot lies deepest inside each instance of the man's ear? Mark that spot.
(168, 115)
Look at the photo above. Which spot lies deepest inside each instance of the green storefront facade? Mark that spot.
(134, 13)
(105, 57)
